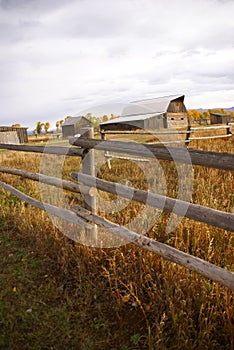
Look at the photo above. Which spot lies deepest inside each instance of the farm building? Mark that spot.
(20, 132)
(156, 113)
(219, 118)
(73, 125)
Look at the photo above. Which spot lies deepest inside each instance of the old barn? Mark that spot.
(73, 125)
(156, 113)
(219, 118)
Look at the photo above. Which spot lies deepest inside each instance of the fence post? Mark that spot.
(187, 136)
(106, 153)
(88, 168)
(228, 130)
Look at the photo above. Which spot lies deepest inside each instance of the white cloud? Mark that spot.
(61, 57)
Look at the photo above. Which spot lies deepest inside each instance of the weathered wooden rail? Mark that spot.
(188, 138)
(218, 160)
(88, 185)
(67, 151)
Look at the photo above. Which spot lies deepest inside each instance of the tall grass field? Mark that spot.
(58, 294)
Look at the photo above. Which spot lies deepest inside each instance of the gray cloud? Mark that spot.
(59, 57)
(33, 6)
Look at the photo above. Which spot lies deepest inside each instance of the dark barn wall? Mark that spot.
(123, 126)
(68, 130)
(155, 122)
(215, 119)
(225, 119)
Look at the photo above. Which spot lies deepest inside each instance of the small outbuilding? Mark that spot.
(21, 132)
(156, 113)
(219, 118)
(73, 125)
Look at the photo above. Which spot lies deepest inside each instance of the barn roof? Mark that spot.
(150, 106)
(131, 118)
(73, 120)
(220, 114)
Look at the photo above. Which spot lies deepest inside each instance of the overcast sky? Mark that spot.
(65, 57)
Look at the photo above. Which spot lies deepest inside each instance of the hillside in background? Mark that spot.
(231, 109)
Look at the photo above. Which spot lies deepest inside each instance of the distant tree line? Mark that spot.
(40, 126)
(194, 114)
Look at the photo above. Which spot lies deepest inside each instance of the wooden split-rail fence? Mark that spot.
(190, 133)
(87, 184)
(175, 137)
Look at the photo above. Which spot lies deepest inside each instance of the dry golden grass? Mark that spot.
(120, 298)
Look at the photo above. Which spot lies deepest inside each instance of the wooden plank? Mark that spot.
(207, 128)
(109, 156)
(69, 151)
(49, 180)
(218, 160)
(171, 132)
(222, 276)
(209, 137)
(62, 213)
(196, 212)
(167, 142)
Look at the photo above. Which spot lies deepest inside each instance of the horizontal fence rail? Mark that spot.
(224, 277)
(131, 132)
(190, 130)
(218, 160)
(215, 127)
(67, 151)
(192, 211)
(208, 137)
(50, 180)
(59, 212)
